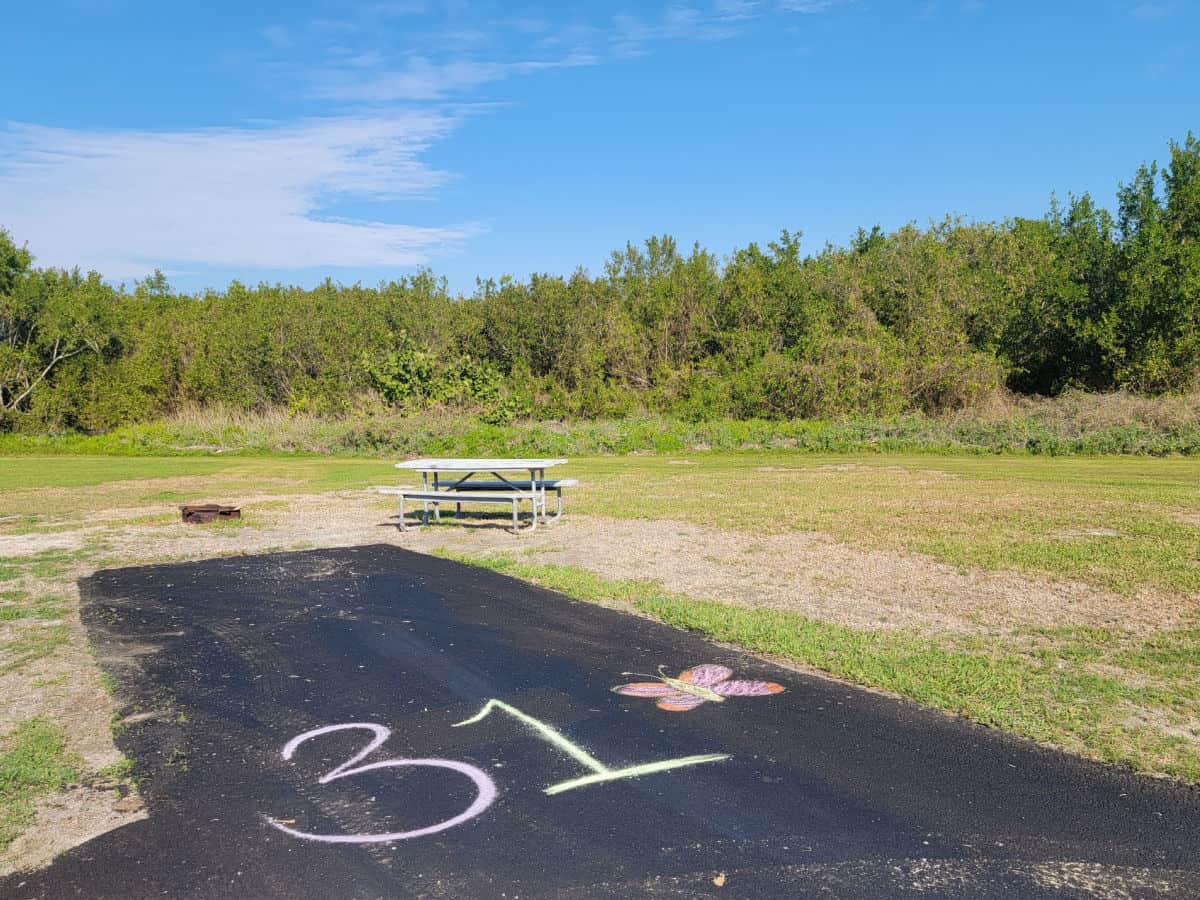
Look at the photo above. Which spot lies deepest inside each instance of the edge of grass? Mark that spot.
(1074, 424)
(34, 761)
(1045, 699)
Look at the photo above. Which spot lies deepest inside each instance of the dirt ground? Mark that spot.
(805, 572)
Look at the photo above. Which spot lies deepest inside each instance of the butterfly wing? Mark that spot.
(706, 675)
(678, 701)
(740, 688)
(644, 689)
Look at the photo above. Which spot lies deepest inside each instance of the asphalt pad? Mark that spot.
(375, 723)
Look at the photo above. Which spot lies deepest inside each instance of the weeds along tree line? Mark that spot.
(921, 319)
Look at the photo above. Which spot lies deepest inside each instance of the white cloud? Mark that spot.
(124, 202)
(808, 6)
(633, 35)
(423, 79)
(1153, 10)
(277, 36)
(735, 9)
(396, 8)
(449, 62)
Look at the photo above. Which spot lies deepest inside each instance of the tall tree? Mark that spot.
(1158, 342)
(47, 317)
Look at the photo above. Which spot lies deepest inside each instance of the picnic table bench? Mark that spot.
(498, 490)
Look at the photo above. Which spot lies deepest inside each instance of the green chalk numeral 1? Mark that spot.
(599, 771)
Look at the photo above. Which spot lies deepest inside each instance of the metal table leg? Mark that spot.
(538, 488)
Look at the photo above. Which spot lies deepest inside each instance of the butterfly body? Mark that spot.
(695, 690)
(699, 684)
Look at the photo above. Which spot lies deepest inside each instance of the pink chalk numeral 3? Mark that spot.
(485, 787)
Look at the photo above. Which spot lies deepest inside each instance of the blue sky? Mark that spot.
(290, 141)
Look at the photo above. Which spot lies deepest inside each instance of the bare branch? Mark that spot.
(56, 358)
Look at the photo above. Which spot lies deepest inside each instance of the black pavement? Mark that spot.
(242, 667)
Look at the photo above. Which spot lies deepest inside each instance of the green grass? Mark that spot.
(46, 564)
(121, 770)
(108, 683)
(1026, 513)
(279, 471)
(1022, 513)
(1069, 425)
(33, 761)
(97, 484)
(1052, 694)
(18, 605)
(30, 645)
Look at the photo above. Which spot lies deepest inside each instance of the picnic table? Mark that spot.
(463, 486)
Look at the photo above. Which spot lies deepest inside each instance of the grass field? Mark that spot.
(1125, 528)
(1125, 523)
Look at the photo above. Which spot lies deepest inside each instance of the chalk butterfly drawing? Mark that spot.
(699, 684)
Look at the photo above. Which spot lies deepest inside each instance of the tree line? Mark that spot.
(927, 319)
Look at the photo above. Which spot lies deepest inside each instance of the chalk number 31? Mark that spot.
(485, 788)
